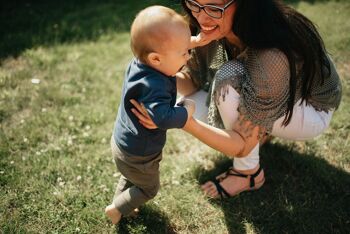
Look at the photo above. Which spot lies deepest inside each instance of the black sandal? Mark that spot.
(224, 194)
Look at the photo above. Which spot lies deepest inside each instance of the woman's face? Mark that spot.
(217, 28)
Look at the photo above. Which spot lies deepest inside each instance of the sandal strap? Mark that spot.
(236, 173)
(223, 193)
(251, 177)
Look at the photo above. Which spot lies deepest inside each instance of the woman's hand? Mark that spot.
(141, 113)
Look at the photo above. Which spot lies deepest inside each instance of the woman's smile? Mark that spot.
(207, 29)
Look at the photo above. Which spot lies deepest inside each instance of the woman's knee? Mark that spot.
(228, 101)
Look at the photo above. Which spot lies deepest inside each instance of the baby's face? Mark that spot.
(175, 54)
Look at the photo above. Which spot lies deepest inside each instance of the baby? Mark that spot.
(160, 41)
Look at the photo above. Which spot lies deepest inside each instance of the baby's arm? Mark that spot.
(190, 106)
(163, 113)
(145, 119)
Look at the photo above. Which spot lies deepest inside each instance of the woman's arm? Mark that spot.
(235, 143)
(238, 142)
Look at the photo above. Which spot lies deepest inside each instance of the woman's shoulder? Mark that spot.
(267, 59)
(270, 54)
(268, 65)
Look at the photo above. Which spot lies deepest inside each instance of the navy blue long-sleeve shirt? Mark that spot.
(158, 93)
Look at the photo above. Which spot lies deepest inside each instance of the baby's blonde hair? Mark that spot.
(152, 29)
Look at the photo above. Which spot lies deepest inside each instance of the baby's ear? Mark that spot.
(154, 58)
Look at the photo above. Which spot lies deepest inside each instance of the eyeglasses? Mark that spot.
(211, 10)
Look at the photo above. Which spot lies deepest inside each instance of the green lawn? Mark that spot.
(56, 170)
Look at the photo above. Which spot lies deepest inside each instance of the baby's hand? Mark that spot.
(201, 39)
(190, 106)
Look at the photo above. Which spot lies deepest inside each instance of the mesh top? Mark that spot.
(261, 77)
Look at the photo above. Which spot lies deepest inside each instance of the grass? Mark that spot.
(56, 171)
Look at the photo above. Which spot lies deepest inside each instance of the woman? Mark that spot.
(267, 73)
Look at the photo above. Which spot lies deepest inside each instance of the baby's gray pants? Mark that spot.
(139, 181)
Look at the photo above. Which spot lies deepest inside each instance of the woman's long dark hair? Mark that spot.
(263, 24)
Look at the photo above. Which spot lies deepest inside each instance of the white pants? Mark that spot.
(306, 123)
(201, 111)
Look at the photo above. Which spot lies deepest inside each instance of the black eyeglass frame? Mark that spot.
(202, 7)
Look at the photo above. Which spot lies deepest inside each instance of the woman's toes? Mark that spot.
(206, 185)
(213, 193)
(209, 189)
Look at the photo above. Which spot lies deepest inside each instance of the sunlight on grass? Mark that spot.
(56, 170)
(59, 119)
(249, 228)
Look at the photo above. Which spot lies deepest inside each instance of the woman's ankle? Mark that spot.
(248, 171)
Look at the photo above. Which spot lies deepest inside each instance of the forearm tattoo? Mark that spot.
(249, 133)
(244, 127)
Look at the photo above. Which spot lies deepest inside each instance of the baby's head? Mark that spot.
(160, 38)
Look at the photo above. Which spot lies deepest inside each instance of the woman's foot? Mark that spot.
(234, 182)
(113, 214)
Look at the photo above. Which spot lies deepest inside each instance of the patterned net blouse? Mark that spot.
(261, 77)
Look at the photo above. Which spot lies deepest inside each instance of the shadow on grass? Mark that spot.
(302, 194)
(148, 220)
(25, 24)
